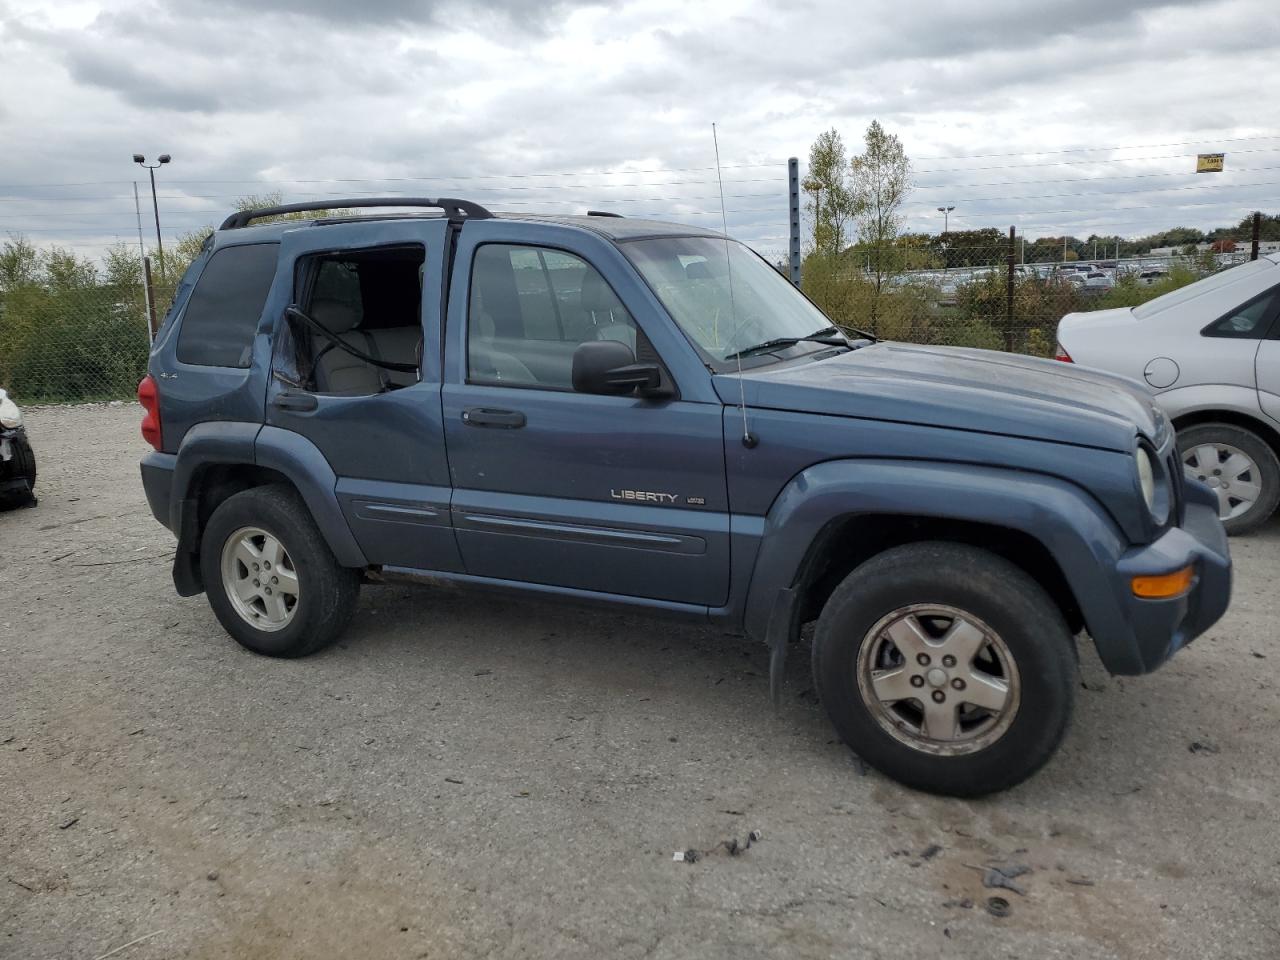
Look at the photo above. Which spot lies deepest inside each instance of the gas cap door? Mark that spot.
(1161, 372)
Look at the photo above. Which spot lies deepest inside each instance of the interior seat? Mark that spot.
(341, 372)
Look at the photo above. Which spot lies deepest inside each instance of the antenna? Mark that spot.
(748, 440)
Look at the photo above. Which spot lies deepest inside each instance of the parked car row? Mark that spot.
(1210, 353)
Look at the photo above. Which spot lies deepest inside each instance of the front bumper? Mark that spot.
(1157, 629)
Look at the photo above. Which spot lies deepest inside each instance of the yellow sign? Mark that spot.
(1209, 162)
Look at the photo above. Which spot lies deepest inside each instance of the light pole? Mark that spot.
(946, 214)
(141, 161)
(946, 219)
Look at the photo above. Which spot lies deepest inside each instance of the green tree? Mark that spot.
(20, 263)
(828, 201)
(881, 177)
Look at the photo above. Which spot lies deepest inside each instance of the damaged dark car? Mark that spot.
(17, 461)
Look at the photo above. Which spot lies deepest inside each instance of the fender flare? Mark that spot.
(305, 466)
(288, 453)
(1064, 519)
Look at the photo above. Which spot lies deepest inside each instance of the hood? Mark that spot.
(978, 390)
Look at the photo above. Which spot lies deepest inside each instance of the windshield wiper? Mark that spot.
(825, 335)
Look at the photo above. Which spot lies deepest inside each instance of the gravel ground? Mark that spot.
(465, 776)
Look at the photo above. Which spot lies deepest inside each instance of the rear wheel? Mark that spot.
(272, 581)
(1239, 466)
(946, 667)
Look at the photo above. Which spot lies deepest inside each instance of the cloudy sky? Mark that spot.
(1081, 116)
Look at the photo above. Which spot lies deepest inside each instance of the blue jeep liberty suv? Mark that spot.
(650, 416)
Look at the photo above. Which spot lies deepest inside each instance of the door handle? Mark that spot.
(295, 400)
(491, 417)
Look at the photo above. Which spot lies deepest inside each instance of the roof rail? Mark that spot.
(603, 213)
(456, 209)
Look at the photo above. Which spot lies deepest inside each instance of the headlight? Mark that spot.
(1146, 478)
(1155, 483)
(10, 415)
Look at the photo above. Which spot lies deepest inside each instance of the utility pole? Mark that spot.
(141, 161)
(1257, 235)
(1008, 316)
(793, 178)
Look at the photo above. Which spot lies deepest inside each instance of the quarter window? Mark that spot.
(223, 312)
(1248, 322)
(530, 308)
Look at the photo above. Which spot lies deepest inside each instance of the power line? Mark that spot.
(471, 176)
(1116, 193)
(1103, 179)
(1138, 146)
(1063, 163)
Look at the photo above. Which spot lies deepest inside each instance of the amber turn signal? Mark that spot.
(1164, 586)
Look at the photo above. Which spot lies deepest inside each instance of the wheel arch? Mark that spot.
(1265, 431)
(838, 514)
(849, 541)
(217, 461)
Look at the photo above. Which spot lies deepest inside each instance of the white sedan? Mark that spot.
(1211, 352)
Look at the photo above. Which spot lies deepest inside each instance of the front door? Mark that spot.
(609, 494)
(374, 287)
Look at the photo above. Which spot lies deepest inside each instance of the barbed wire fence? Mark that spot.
(74, 305)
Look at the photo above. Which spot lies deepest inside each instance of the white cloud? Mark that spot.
(472, 98)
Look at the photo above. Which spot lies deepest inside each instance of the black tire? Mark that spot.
(981, 585)
(327, 593)
(1258, 450)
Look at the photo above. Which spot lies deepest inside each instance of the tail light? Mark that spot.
(1061, 354)
(149, 397)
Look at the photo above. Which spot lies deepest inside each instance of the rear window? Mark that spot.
(1241, 274)
(224, 309)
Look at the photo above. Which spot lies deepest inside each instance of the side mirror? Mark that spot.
(609, 367)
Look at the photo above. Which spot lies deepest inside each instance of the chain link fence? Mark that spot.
(62, 343)
(994, 301)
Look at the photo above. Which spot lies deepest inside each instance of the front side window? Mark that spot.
(222, 315)
(1248, 322)
(723, 296)
(530, 308)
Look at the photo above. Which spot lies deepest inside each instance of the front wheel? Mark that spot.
(1239, 466)
(946, 667)
(272, 581)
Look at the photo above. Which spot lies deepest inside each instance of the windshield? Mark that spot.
(690, 275)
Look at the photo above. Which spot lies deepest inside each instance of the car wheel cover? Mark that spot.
(259, 579)
(1230, 472)
(938, 679)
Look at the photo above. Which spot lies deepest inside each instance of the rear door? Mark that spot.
(1267, 364)
(608, 494)
(379, 430)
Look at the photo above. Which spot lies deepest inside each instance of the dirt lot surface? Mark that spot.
(465, 776)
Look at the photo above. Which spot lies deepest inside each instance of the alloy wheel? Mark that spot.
(938, 679)
(259, 578)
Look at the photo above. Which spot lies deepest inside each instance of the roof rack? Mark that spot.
(456, 209)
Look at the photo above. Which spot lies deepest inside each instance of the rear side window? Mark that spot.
(1249, 321)
(224, 309)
